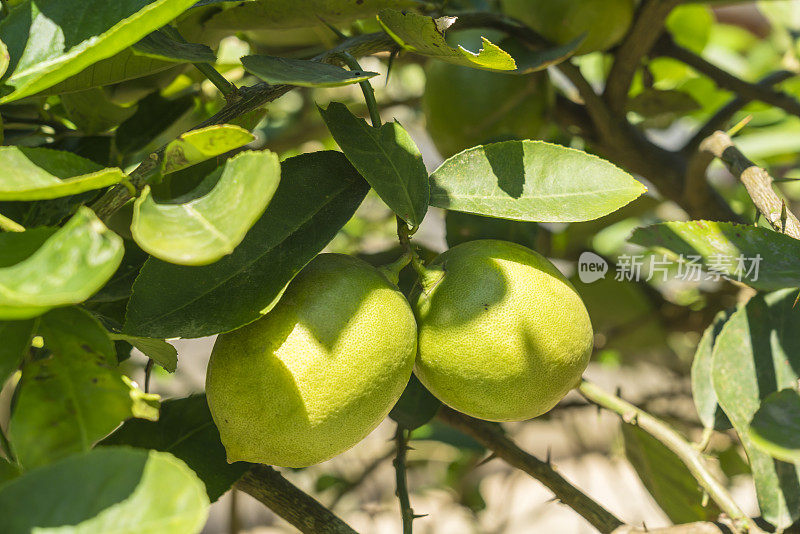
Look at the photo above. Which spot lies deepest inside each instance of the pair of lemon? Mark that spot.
(496, 332)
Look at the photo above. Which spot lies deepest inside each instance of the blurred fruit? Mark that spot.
(319, 372)
(503, 336)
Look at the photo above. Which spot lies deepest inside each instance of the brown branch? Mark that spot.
(647, 28)
(757, 182)
(285, 499)
(493, 439)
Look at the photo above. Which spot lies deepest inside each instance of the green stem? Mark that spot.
(392, 270)
(366, 87)
(208, 70)
(677, 444)
(7, 225)
(401, 438)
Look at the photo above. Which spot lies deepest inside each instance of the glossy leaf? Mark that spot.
(203, 144)
(756, 354)
(103, 491)
(157, 350)
(71, 37)
(775, 428)
(703, 394)
(159, 45)
(186, 430)
(532, 181)
(425, 35)
(758, 257)
(69, 401)
(15, 340)
(318, 193)
(386, 157)
(67, 269)
(203, 230)
(300, 72)
(40, 173)
(666, 477)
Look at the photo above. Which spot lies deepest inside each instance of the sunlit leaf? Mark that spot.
(203, 144)
(157, 350)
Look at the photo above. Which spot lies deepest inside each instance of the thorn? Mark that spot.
(419, 516)
(553, 499)
(549, 455)
(618, 392)
(784, 215)
(395, 52)
(486, 460)
(644, 526)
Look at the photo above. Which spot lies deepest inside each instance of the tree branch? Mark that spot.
(757, 182)
(285, 499)
(401, 439)
(677, 444)
(492, 438)
(647, 27)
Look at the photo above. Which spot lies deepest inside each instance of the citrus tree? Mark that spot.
(182, 169)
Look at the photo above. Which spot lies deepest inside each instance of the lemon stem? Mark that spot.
(392, 270)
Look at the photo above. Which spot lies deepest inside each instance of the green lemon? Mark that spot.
(604, 22)
(503, 336)
(319, 372)
(465, 107)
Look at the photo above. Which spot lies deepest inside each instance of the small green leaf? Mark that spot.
(666, 477)
(318, 194)
(41, 173)
(386, 157)
(70, 37)
(416, 406)
(157, 350)
(15, 340)
(106, 490)
(425, 35)
(705, 398)
(69, 401)
(185, 429)
(300, 72)
(93, 112)
(775, 428)
(758, 257)
(159, 45)
(203, 230)
(67, 269)
(532, 181)
(203, 144)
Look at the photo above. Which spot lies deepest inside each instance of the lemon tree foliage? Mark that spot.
(506, 195)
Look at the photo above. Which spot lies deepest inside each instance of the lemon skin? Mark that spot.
(316, 374)
(605, 22)
(465, 107)
(503, 336)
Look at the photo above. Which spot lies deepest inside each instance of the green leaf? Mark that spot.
(159, 45)
(775, 428)
(15, 340)
(106, 490)
(425, 35)
(4, 59)
(705, 398)
(72, 36)
(416, 406)
(318, 194)
(186, 430)
(756, 354)
(19, 246)
(386, 157)
(40, 173)
(300, 72)
(69, 401)
(154, 114)
(203, 144)
(203, 230)
(666, 477)
(758, 257)
(8, 471)
(75, 331)
(532, 181)
(93, 112)
(67, 269)
(157, 350)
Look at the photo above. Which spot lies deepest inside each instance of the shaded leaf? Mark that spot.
(532, 181)
(300, 72)
(775, 428)
(386, 157)
(40, 173)
(425, 35)
(203, 144)
(71, 37)
(93, 112)
(203, 230)
(8, 471)
(186, 430)
(159, 45)
(154, 114)
(318, 193)
(157, 350)
(104, 490)
(67, 269)
(705, 398)
(758, 257)
(463, 227)
(416, 406)
(15, 340)
(75, 331)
